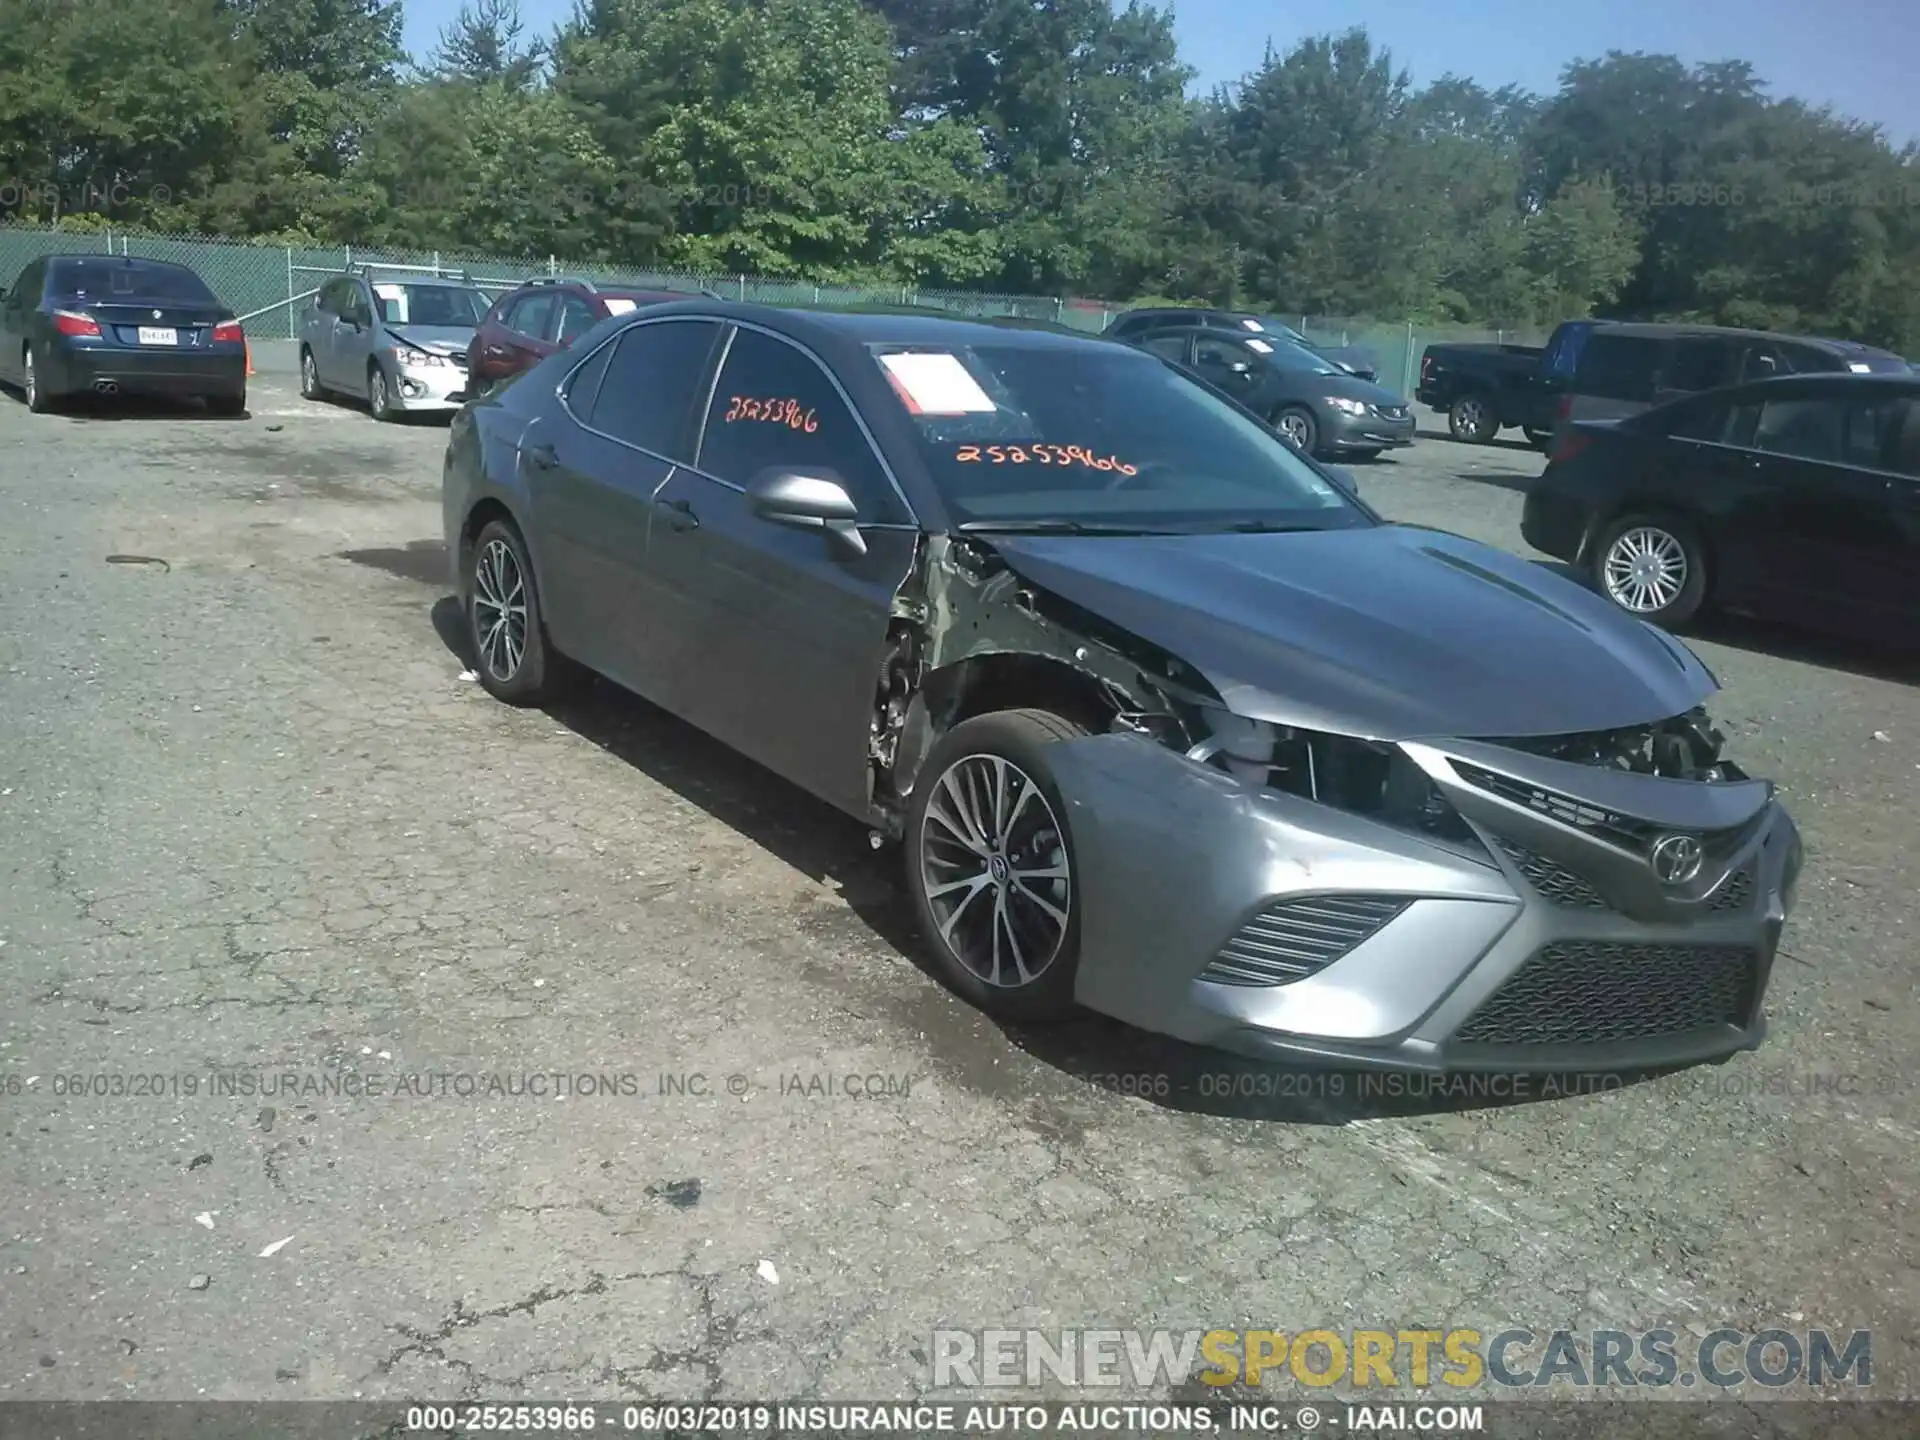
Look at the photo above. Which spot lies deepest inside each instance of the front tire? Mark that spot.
(1297, 428)
(310, 386)
(990, 865)
(1473, 419)
(512, 656)
(379, 396)
(1654, 567)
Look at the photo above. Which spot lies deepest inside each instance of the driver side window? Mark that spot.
(775, 408)
(1172, 347)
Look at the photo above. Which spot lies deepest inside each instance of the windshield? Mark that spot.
(107, 280)
(1287, 355)
(1274, 325)
(455, 305)
(1041, 436)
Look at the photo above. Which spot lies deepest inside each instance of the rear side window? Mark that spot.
(1696, 419)
(1806, 429)
(584, 384)
(1701, 365)
(1563, 350)
(1174, 347)
(1618, 367)
(654, 383)
(109, 280)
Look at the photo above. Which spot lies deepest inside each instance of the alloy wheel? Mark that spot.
(30, 382)
(309, 376)
(1294, 427)
(378, 394)
(994, 869)
(1472, 416)
(499, 611)
(1645, 570)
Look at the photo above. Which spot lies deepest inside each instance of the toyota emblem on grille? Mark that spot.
(1676, 859)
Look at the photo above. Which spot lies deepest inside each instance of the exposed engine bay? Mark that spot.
(969, 633)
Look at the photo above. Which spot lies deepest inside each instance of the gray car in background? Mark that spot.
(1166, 721)
(398, 342)
(1314, 403)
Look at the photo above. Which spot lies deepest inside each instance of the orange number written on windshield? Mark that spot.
(772, 412)
(1042, 455)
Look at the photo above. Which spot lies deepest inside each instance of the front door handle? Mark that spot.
(680, 514)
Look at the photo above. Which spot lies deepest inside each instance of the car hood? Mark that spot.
(1352, 387)
(1350, 357)
(1388, 633)
(441, 339)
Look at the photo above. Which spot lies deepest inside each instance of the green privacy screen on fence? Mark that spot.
(268, 286)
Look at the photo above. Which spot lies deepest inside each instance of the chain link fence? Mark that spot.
(269, 285)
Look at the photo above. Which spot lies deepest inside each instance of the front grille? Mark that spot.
(1735, 894)
(1617, 829)
(1292, 939)
(1552, 879)
(1584, 992)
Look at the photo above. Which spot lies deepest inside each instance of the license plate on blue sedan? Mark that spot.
(154, 335)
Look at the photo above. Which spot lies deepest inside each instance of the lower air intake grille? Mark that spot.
(1583, 992)
(1552, 879)
(1735, 894)
(1292, 939)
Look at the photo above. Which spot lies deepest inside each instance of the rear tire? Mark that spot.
(1297, 428)
(1654, 567)
(39, 402)
(1473, 419)
(990, 865)
(229, 407)
(511, 653)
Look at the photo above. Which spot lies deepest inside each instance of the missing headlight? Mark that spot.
(1358, 776)
(1686, 747)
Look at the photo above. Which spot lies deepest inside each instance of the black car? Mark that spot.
(1797, 498)
(1314, 403)
(1135, 323)
(112, 325)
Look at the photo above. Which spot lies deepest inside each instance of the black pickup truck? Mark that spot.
(1484, 389)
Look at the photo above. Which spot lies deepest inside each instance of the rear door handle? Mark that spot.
(680, 514)
(542, 457)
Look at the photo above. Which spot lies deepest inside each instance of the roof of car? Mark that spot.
(891, 326)
(1664, 330)
(125, 262)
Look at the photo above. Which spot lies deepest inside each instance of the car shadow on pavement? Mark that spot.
(1499, 443)
(1501, 479)
(1872, 659)
(831, 849)
(99, 407)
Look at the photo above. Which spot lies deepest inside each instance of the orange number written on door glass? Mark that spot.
(1042, 455)
(771, 412)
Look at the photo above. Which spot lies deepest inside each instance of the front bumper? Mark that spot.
(427, 389)
(182, 371)
(1346, 433)
(1553, 951)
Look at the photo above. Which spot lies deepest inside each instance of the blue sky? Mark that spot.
(1857, 57)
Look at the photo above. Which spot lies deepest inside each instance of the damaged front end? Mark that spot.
(1592, 900)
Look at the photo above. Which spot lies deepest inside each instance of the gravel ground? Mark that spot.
(253, 821)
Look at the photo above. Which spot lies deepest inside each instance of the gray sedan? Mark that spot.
(1166, 722)
(1315, 403)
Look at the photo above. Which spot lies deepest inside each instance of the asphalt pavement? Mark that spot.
(646, 1094)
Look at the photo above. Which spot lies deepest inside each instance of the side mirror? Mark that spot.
(808, 501)
(1344, 478)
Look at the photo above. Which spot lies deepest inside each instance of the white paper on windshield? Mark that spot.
(388, 292)
(1253, 324)
(936, 384)
(1262, 346)
(618, 306)
(1857, 368)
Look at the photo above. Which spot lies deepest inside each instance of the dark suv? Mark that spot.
(543, 315)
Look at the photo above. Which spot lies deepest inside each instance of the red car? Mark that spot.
(541, 316)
